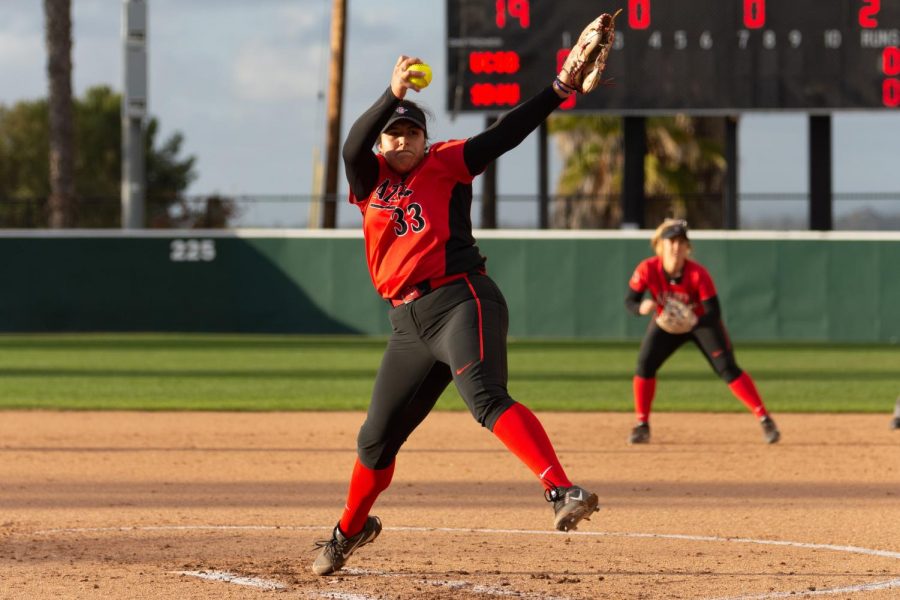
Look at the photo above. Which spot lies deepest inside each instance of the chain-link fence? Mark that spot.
(768, 211)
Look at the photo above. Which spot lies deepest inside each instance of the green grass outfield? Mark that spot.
(271, 372)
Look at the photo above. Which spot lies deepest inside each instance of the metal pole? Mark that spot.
(731, 175)
(820, 197)
(543, 177)
(134, 109)
(633, 199)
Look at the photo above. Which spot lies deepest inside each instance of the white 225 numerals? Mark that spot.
(192, 250)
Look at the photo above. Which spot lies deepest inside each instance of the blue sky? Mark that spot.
(245, 83)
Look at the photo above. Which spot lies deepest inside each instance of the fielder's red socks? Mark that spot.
(644, 390)
(524, 435)
(365, 486)
(745, 390)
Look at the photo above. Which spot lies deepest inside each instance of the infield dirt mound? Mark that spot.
(145, 505)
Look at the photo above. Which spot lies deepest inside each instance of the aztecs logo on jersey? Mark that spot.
(390, 194)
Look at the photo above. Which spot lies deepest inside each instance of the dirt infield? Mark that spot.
(227, 505)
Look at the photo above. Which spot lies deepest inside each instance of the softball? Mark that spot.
(420, 82)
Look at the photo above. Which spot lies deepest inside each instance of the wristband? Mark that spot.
(566, 89)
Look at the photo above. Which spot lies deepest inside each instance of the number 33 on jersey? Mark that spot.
(405, 218)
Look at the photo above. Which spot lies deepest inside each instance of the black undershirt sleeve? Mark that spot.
(360, 164)
(509, 131)
(633, 301)
(713, 311)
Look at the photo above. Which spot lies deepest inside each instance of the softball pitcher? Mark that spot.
(684, 299)
(449, 319)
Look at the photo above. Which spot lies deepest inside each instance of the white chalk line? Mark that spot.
(879, 585)
(256, 582)
(866, 587)
(454, 584)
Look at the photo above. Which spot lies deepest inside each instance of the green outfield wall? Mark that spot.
(792, 286)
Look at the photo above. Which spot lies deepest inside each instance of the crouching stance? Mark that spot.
(685, 308)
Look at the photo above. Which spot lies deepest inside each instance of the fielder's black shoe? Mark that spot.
(640, 434)
(570, 506)
(770, 431)
(338, 549)
(895, 424)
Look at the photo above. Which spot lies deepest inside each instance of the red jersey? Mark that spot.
(694, 287)
(418, 227)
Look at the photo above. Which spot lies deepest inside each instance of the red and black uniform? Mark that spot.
(449, 319)
(417, 227)
(694, 287)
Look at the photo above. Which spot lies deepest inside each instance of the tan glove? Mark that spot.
(676, 317)
(583, 67)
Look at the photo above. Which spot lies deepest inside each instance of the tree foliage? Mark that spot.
(591, 180)
(24, 162)
(684, 168)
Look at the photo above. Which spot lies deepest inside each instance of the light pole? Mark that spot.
(134, 109)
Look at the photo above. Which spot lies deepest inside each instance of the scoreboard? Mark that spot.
(697, 56)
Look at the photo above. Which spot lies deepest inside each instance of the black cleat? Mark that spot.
(570, 506)
(338, 549)
(640, 434)
(770, 431)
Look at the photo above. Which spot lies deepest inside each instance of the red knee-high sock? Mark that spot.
(644, 390)
(745, 390)
(524, 435)
(365, 485)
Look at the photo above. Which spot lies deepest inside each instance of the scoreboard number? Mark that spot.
(701, 56)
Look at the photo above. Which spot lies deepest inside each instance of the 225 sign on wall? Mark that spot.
(703, 56)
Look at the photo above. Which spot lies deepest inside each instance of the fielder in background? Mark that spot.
(449, 319)
(686, 307)
(895, 422)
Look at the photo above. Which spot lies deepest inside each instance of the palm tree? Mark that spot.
(587, 194)
(58, 37)
(684, 168)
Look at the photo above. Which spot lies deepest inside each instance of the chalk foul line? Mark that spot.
(262, 583)
(255, 582)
